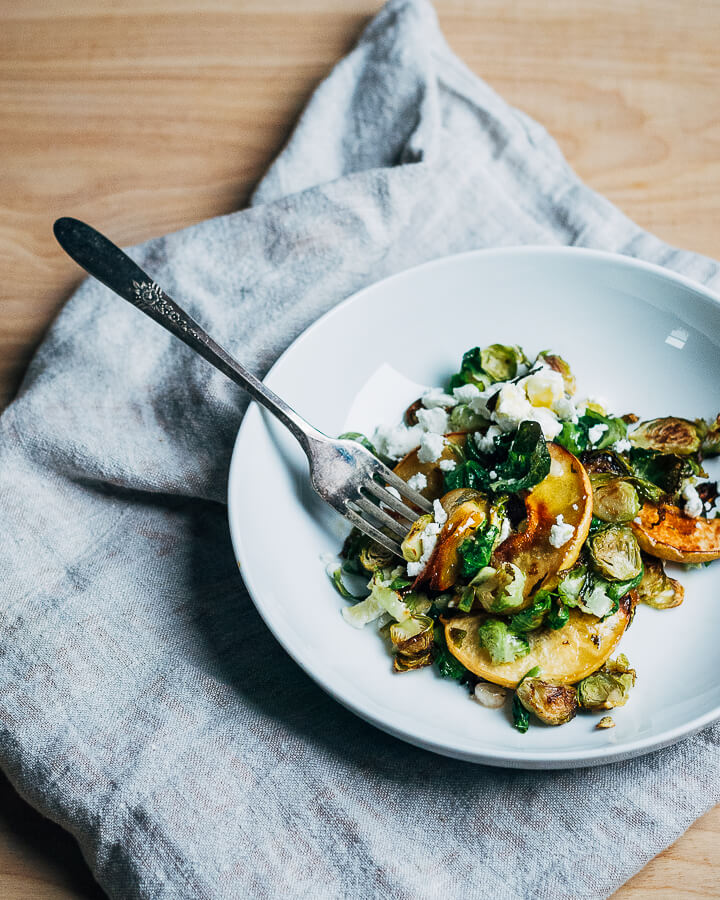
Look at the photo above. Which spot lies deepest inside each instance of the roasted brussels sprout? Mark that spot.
(667, 435)
(501, 589)
(609, 687)
(615, 553)
(501, 362)
(502, 645)
(553, 704)
(412, 640)
(463, 419)
(558, 364)
(362, 554)
(604, 462)
(412, 546)
(656, 588)
(709, 436)
(614, 500)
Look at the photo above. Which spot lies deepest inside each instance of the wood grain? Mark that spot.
(144, 116)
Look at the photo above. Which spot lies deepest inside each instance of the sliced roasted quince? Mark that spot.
(665, 531)
(565, 656)
(564, 492)
(410, 465)
(466, 510)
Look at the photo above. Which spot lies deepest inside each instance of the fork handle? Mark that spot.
(109, 264)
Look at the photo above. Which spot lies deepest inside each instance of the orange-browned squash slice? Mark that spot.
(666, 532)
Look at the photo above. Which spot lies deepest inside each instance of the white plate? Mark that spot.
(643, 338)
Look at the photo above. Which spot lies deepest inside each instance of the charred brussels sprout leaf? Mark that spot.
(412, 641)
(499, 590)
(475, 552)
(553, 704)
(533, 617)
(614, 499)
(615, 553)
(502, 645)
(519, 463)
(667, 435)
(656, 588)
(666, 471)
(609, 687)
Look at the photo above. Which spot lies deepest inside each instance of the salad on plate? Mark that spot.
(553, 518)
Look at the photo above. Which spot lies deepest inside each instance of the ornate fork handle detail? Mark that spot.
(149, 295)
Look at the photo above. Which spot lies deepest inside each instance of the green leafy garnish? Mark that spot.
(664, 470)
(447, 665)
(532, 618)
(516, 463)
(575, 436)
(475, 552)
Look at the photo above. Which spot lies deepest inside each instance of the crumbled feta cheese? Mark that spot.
(513, 407)
(551, 427)
(637, 520)
(565, 409)
(393, 491)
(397, 441)
(437, 397)
(493, 475)
(575, 506)
(434, 420)
(466, 392)
(418, 481)
(484, 442)
(439, 512)
(596, 432)
(708, 506)
(431, 446)
(479, 403)
(622, 446)
(560, 532)
(447, 465)
(544, 388)
(693, 504)
(415, 568)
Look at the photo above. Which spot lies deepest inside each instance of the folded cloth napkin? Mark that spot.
(143, 704)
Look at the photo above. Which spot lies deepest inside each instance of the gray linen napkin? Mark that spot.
(143, 704)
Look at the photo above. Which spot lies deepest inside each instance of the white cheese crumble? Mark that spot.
(437, 397)
(560, 532)
(505, 529)
(447, 465)
(513, 407)
(493, 475)
(418, 481)
(466, 392)
(565, 409)
(693, 504)
(435, 420)
(622, 446)
(397, 441)
(431, 446)
(439, 512)
(596, 432)
(484, 442)
(393, 491)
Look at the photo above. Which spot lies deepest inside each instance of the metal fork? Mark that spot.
(345, 474)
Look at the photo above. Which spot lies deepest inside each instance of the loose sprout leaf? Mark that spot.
(709, 433)
(447, 665)
(575, 436)
(533, 617)
(475, 552)
(335, 576)
(397, 584)
(664, 470)
(521, 717)
(502, 645)
(558, 615)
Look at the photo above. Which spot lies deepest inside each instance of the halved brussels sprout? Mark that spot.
(609, 687)
(565, 656)
(501, 362)
(667, 435)
(666, 532)
(499, 590)
(362, 554)
(614, 500)
(709, 435)
(656, 588)
(412, 640)
(615, 553)
(558, 364)
(553, 704)
(412, 545)
(463, 418)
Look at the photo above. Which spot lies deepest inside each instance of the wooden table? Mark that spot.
(143, 116)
